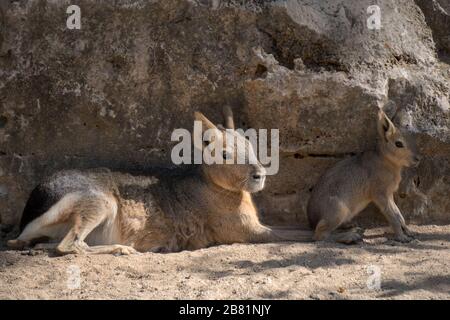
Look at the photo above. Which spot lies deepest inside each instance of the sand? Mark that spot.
(377, 268)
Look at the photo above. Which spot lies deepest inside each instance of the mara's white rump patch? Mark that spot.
(37, 227)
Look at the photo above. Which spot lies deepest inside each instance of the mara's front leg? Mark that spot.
(115, 249)
(265, 234)
(246, 228)
(387, 206)
(259, 233)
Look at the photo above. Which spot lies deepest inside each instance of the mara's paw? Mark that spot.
(45, 246)
(17, 244)
(408, 232)
(359, 230)
(403, 238)
(348, 225)
(350, 238)
(75, 248)
(120, 250)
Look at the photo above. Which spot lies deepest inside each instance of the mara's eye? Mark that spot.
(399, 144)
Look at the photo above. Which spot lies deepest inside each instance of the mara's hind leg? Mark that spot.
(90, 213)
(328, 224)
(17, 244)
(47, 225)
(351, 236)
(326, 230)
(73, 242)
(46, 246)
(350, 225)
(263, 234)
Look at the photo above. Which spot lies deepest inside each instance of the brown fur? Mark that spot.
(347, 188)
(110, 212)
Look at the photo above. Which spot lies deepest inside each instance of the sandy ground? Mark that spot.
(419, 270)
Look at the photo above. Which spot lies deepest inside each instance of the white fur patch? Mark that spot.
(36, 228)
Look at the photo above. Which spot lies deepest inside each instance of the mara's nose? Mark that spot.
(417, 158)
(257, 176)
(259, 173)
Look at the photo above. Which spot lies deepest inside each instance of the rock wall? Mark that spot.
(111, 93)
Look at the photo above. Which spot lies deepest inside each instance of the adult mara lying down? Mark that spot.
(109, 212)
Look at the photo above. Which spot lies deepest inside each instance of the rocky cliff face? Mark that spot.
(111, 93)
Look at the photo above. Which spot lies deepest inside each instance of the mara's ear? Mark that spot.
(209, 132)
(386, 128)
(206, 124)
(228, 115)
